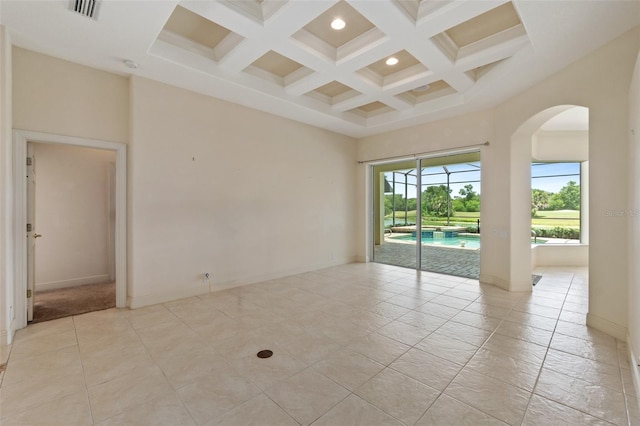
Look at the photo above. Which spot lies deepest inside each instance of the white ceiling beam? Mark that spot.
(460, 81)
(388, 17)
(454, 14)
(243, 55)
(354, 102)
(396, 103)
(229, 18)
(428, 53)
(288, 19)
(308, 83)
(492, 49)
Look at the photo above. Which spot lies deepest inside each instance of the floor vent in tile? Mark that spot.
(265, 353)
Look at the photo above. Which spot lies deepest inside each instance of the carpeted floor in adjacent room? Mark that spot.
(65, 302)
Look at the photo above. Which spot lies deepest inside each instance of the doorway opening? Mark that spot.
(426, 214)
(25, 236)
(560, 190)
(71, 210)
(559, 179)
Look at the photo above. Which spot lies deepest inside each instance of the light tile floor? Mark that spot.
(365, 344)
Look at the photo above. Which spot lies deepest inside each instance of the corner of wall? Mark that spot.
(633, 217)
(7, 313)
(611, 328)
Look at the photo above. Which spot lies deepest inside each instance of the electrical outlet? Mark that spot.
(205, 277)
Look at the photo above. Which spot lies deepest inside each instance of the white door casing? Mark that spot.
(31, 234)
(21, 139)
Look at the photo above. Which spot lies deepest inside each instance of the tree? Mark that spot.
(468, 201)
(458, 205)
(435, 201)
(388, 203)
(468, 193)
(539, 200)
(473, 205)
(568, 198)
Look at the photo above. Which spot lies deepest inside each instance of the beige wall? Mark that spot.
(55, 96)
(561, 145)
(72, 203)
(506, 254)
(219, 188)
(559, 255)
(583, 84)
(6, 193)
(633, 216)
(212, 187)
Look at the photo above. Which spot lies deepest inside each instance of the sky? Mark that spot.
(469, 173)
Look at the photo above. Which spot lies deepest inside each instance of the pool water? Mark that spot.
(472, 243)
(469, 242)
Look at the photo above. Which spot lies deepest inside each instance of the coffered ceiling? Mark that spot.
(284, 57)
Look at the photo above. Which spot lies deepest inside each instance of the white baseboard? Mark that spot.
(604, 325)
(252, 279)
(154, 299)
(6, 336)
(53, 285)
(495, 281)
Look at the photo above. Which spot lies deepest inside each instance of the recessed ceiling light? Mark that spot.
(338, 24)
(131, 64)
(392, 60)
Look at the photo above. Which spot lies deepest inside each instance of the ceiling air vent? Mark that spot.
(88, 8)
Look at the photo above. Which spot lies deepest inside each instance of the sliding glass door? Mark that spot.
(395, 208)
(427, 214)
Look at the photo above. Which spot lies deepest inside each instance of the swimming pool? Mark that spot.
(457, 241)
(466, 242)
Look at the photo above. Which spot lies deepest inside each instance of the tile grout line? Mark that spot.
(84, 377)
(155, 362)
(442, 392)
(545, 357)
(535, 384)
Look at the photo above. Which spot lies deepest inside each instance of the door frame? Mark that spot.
(20, 140)
(369, 194)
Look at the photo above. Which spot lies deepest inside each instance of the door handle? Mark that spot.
(36, 236)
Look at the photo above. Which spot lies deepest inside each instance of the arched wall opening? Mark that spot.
(524, 256)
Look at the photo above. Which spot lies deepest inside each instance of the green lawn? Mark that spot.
(474, 215)
(543, 219)
(411, 218)
(400, 217)
(562, 218)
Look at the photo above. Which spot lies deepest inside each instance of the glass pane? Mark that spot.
(449, 201)
(450, 196)
(395, 214)
(555, 203)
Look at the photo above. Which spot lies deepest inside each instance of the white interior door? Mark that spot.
(31, 230)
